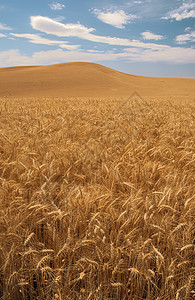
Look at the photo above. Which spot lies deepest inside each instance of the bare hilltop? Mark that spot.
(82, 79)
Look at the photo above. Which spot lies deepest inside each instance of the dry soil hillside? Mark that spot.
(85, 79)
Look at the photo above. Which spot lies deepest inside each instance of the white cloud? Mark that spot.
(4, 27)
(185, 11)
(151, 46)
(56, 6)
(116, 18)
(187, 28)
(59, 18)
(36, 39)
(169, 55)
(147, 35)
(183, 38)
(166, 55)
(2, 35)
(51, 26)
(69, 47)
(15, 58)
(95, 51)
(108, 40)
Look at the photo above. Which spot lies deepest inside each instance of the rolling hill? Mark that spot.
(80, 79)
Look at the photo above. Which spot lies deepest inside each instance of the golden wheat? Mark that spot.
(96, 199)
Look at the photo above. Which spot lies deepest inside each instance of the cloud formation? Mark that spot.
(4, 27)
(36, 39)
(167, 55)
(151, 46)
(56, 6)
(185, 11)
(184, 38)
(50, 26)
(116, 18)
(147, 35)
(131, 51)
(2, 35)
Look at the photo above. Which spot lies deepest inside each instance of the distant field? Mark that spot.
(96, 198)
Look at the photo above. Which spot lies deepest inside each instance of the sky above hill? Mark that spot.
(141, 37)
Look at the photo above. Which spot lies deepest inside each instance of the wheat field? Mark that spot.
(96, 198)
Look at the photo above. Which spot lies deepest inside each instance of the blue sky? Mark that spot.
(141, 37)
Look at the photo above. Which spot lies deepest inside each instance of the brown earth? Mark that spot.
(82, 79)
